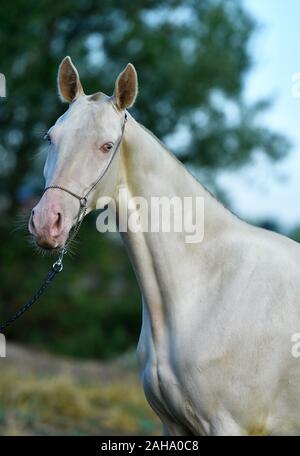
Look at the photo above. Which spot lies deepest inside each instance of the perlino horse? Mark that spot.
(215, 350)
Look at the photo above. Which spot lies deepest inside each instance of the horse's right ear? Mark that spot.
(69, 85)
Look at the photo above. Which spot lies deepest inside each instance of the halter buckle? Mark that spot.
(83, 201)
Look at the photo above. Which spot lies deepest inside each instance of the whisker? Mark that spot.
(21, 221)
(72, 249)
(40, 250)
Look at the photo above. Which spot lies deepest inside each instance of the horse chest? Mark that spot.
(168, 392)
(161, 388)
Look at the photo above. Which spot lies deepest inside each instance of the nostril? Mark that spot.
(58, 220)
(57, 225)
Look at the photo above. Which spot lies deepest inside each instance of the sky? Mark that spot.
(264, 190)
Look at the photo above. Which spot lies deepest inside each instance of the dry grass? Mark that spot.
(31, 403)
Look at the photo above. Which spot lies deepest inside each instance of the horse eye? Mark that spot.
(107, 147)
(47, 137)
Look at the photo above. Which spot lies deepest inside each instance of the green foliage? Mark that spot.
(295, 234)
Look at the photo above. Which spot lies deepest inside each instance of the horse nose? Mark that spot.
(46, 226)
(56, 224)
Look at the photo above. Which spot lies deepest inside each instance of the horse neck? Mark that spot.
(147, 170)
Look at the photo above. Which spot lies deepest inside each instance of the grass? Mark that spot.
(32, 404)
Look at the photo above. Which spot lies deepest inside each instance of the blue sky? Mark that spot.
(263, 189)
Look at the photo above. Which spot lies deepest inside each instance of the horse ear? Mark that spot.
(69, 85)
(126, 88)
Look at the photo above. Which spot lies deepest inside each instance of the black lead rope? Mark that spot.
(46, 282)
(58, 265)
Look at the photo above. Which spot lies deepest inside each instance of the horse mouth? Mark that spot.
(47, 248)
(44, 245)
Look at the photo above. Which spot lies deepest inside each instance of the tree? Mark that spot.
(191, 59)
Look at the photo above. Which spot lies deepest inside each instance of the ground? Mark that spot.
(41, 394)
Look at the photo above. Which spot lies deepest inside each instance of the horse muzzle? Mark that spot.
(49, 226)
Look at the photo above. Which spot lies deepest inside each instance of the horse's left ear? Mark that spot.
(126, 88)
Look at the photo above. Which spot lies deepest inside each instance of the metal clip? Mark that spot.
(58, 265)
